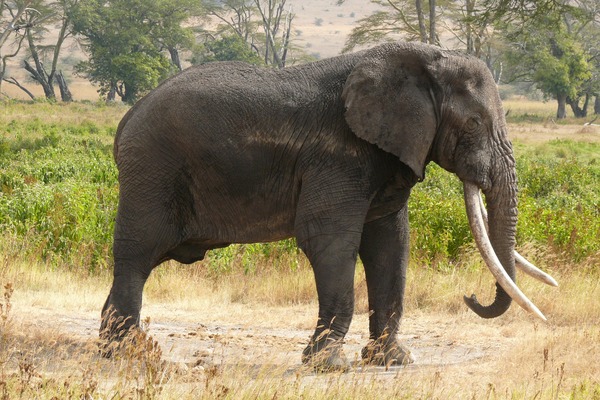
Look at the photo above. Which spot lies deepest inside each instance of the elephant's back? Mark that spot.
(208, 104)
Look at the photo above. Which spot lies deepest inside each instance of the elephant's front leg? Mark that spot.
(333, 258)
(384, 251)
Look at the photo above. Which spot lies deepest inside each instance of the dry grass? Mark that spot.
(518, 106)
(98, 114)
(254, 326)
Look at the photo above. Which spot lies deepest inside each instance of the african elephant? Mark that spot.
(326, 152)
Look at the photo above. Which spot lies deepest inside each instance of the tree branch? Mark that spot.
(23, 88)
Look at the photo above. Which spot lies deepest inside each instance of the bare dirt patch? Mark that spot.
(257, 337)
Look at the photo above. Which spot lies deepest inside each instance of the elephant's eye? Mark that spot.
(472, 124)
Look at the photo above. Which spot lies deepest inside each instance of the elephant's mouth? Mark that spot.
(477, 216)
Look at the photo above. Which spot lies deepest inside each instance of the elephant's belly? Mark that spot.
(255, 219)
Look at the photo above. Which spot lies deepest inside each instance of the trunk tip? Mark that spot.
(491, 311)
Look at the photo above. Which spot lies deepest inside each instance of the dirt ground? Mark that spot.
(250, 337)
(255, 337)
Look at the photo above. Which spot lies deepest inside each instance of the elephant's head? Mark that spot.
(424, 104)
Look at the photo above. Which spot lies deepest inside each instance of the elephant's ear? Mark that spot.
(390, 102)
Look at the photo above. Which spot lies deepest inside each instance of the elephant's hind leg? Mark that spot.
(384, 251)
(121, 311)
(142, 241)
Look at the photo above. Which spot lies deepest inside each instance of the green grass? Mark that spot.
(58, 191)
(59, 194)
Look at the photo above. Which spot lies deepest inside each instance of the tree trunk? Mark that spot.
(561, 112)
(597, 105)
(112, 94)
(128, 93)
(432, 29)
(579, 112)
(65, 93)
(175, 59)
(286, 40)
(469, 28)
(39, 73)
(421, 18)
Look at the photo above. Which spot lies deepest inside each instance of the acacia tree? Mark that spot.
(275, 19)
(551, 51)
(128, 42)
(462, 22)
(15, 17)
(413, 20)
(228, 47)
(263, 25)
(53, 14)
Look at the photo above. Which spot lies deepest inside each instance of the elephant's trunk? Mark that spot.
(497, 249)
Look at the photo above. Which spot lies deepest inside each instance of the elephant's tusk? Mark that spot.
(482, 240)
(521, 262)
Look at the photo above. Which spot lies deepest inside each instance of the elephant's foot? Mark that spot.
(327, 357)
(386, 355)
(128, 343)
(115, 332)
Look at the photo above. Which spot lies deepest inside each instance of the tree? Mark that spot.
(275, 18)
(55, 13)
(127, 42)
(247, 18)
(229, 47)
(15, 17)
(414, 20)
(551, 53)
(561, 71)
(587, 30)
(426, 21)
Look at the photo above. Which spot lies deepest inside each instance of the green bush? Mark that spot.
(439, 226)
(59, 190)
(560, 200)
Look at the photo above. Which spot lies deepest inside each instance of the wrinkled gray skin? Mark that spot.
(325, 152)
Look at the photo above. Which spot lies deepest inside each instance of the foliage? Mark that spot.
(425, 21)
(264, 26)
(395, 18)
(127, 41)
(58, 191)
(558, 205)
(226, 48)
(526, 12)
(555, 45)
(559, 198)
(459, 22)
(562, 68)
(553, 59)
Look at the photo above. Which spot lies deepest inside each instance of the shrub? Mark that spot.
(59, 193)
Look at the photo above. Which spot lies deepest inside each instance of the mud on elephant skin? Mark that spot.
(325, 152)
